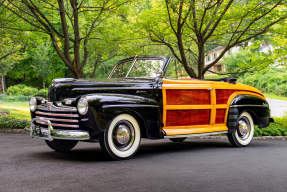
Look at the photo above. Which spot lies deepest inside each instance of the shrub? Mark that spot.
(29, 91)
(7, 98)
(21, 86)
(13, 90)
(10, 122)
(42, 92)
(20, 89)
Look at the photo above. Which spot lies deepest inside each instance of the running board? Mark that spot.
(196, 134)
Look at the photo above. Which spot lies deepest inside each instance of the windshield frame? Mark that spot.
(165, 61)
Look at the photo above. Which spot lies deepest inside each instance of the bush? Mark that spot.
(20, 89)
(29, 91)
(43, 92)
(13, 90)
(7, 98)
(10, 122)
(21, 86)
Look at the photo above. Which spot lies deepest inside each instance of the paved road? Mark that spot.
(278, 108)
(195, 165)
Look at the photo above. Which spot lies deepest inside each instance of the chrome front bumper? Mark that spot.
(50, 134)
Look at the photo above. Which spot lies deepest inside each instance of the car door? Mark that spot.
(188, 107)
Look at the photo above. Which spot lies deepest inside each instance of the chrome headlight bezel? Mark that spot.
(83, 106)
(33, 104)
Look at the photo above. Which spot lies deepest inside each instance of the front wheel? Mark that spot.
(122, 138)
(244, 133)
(61, 145)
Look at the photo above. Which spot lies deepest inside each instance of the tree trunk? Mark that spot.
(95, 67)
(3, 84)
(200, 60)
(43, 83)
(189, 71)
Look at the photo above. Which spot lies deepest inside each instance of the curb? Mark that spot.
(195, 137)
(8, 130)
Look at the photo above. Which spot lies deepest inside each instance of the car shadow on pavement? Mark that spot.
(146, 149)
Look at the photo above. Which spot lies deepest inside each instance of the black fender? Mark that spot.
(256, 106)
(103, 108)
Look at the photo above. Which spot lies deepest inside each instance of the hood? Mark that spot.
(71, 88)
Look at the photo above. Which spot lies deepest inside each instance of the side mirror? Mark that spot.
(159, 73)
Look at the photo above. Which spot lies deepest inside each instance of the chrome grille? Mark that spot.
(61, 117)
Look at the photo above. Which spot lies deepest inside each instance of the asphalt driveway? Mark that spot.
(196, 165)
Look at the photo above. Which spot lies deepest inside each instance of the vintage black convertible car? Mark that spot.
(143, 97)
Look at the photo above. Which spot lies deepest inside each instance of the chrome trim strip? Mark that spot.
(49, 133)
(129, 105)
(49, 106)
(63, 120)
(57, 114)
(109, 88)
(62, 80)
(196, 134)
(56, 124)
(249, 106)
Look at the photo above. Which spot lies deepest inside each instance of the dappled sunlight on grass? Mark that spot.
(19, 110)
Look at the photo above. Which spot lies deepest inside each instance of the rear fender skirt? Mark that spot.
(256, 106)
(105, 107)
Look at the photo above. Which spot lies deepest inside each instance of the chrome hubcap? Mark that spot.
(123, 135)
(244, 128)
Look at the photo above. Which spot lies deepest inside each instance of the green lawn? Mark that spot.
(19, 110)
(273, 96)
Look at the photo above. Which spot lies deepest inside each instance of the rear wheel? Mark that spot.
(122, 138)
(61, 145)
(180, 139)
(244, 133)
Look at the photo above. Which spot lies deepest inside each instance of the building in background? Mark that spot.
(214, 53)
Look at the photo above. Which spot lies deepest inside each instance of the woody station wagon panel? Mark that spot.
(144, 97)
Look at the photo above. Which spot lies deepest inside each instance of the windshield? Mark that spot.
(145, 68)
(142, 68)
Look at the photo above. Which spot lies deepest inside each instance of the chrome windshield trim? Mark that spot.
(56, 124)
(113, 71)
(129, 105)
(56, 114)
(63, 120)
(196, 134)
(109, 88)
(49, 106)
(249, 106)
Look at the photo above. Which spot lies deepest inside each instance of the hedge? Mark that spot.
(13, 123)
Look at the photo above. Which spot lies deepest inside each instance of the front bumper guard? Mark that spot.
(50, 134)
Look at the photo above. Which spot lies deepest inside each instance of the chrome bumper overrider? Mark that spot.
(50, 134)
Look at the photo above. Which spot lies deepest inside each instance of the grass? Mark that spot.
(18, 110)
(273, 96)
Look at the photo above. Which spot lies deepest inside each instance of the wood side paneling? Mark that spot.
(188, 97)
(187, 117)
(219, 117)
(222, 95)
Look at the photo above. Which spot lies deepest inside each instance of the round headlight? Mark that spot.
(33, 104)
(83, 106)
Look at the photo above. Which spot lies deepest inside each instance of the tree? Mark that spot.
(69, 24)
(187, 27)
(42, 61)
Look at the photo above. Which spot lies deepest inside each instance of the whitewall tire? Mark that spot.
(122, 138)
(244, 133)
